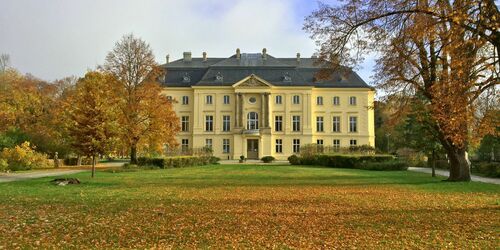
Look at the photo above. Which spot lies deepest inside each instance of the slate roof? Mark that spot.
(277, 71)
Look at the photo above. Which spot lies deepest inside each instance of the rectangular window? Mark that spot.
(296, 123)
(352, 100)
(185, 145)
(185, 100)
(209, 123)
(336, 100)
(208, 99)
(319, 124)
(226, 99)
(278, 123)
(226, 123)
(185, 123)
(319, 142)
(353, 124)
(208, 143)
(296, 99)
(319, 100)
(225, 146)
(279, 146)
(353, 143)
(278, 99)
(296, 145)
(336, 124)
(336, 143)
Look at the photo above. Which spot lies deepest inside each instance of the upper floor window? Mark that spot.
(319, 124)
(296, 99)
(319, 100)
(185, 123)
(252, 120)
(296, 123)
(209, 123)
(185, 100)
(278, 123)
(278, 99)
(208, 99)
(226, 99)
(352, 100)
(353, 124)
(226, 123)
(336, 100)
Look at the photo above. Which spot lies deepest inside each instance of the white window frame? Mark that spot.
(336, 121)
(226, 146)
(296, 123)
(320, 124)
(296, 145)
(352, 101)
(353, 142)
(279, 146)
(226, 99)
(209, 143)
(336, 100)
(319, 100)
(252, 120)
(185, 100)
(353, 124)
(226, 123)
(296, 99)
(336, 143)
(209, 123)
(185, 124)
(278, 121)
(278, 99)
(209, 99)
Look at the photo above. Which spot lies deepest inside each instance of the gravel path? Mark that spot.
(36, 174)
(446, 174)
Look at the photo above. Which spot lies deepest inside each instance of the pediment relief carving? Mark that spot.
(253, 81)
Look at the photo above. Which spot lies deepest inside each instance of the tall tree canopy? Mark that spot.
(444, 51)
(147, 116)
(93, 116)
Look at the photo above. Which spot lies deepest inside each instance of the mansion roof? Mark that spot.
(187, 72)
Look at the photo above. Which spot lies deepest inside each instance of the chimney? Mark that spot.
(298, 57)
(187, 56)
(238, 53)
(264, 54)
(167, 58)
(204, 56)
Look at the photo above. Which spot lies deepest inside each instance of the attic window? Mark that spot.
(218, 77)
(186, 78)
(287, 77)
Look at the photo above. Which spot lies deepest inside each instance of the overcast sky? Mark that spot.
(56, 38)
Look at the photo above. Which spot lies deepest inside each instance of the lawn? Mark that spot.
(250, 206)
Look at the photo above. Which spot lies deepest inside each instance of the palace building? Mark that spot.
(256, 105)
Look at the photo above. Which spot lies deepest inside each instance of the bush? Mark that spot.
(4, 166)
(268, 159)
(24, 157)
(384, 166)
(490, 169)
(338, 161)
(177, 162)
(73, 161)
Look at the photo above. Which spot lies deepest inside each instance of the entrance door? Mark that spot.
(253, 149)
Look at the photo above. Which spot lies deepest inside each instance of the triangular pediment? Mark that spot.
(252, 81)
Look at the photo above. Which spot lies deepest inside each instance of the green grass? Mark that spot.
(242, 206)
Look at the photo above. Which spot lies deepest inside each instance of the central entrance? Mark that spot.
(253, 149)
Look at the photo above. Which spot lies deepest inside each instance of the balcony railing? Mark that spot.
(251, 132)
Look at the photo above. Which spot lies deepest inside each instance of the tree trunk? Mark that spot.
(93, 166)
(433, 163)
(459, 165)
(79, 161)
(133, 153)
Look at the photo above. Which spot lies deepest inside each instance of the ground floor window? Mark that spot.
(208, 143)
(225, 146)
(184, 145)
(296, 145)
(279, 146)
(319, 142)
(353, 142)
(336, 143)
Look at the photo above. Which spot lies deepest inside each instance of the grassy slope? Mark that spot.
(243, 206)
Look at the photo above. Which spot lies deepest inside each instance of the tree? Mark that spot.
(444, 51)
(92, 110)
(132, 63)
(4, 62)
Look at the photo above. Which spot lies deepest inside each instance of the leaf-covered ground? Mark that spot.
(250, 207)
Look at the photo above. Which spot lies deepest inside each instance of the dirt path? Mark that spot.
(446, 173)
(36, 174)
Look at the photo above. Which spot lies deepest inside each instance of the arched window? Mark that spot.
(253, 120)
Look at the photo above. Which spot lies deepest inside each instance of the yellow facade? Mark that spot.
(253, 94)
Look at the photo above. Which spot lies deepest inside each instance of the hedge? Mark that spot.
(267, 159)
(177, 162)
(490, 169)
(73, 161)
(369, 162)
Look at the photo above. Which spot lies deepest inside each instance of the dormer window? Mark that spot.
(219, 77)
(186, 78)
(287, 77)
